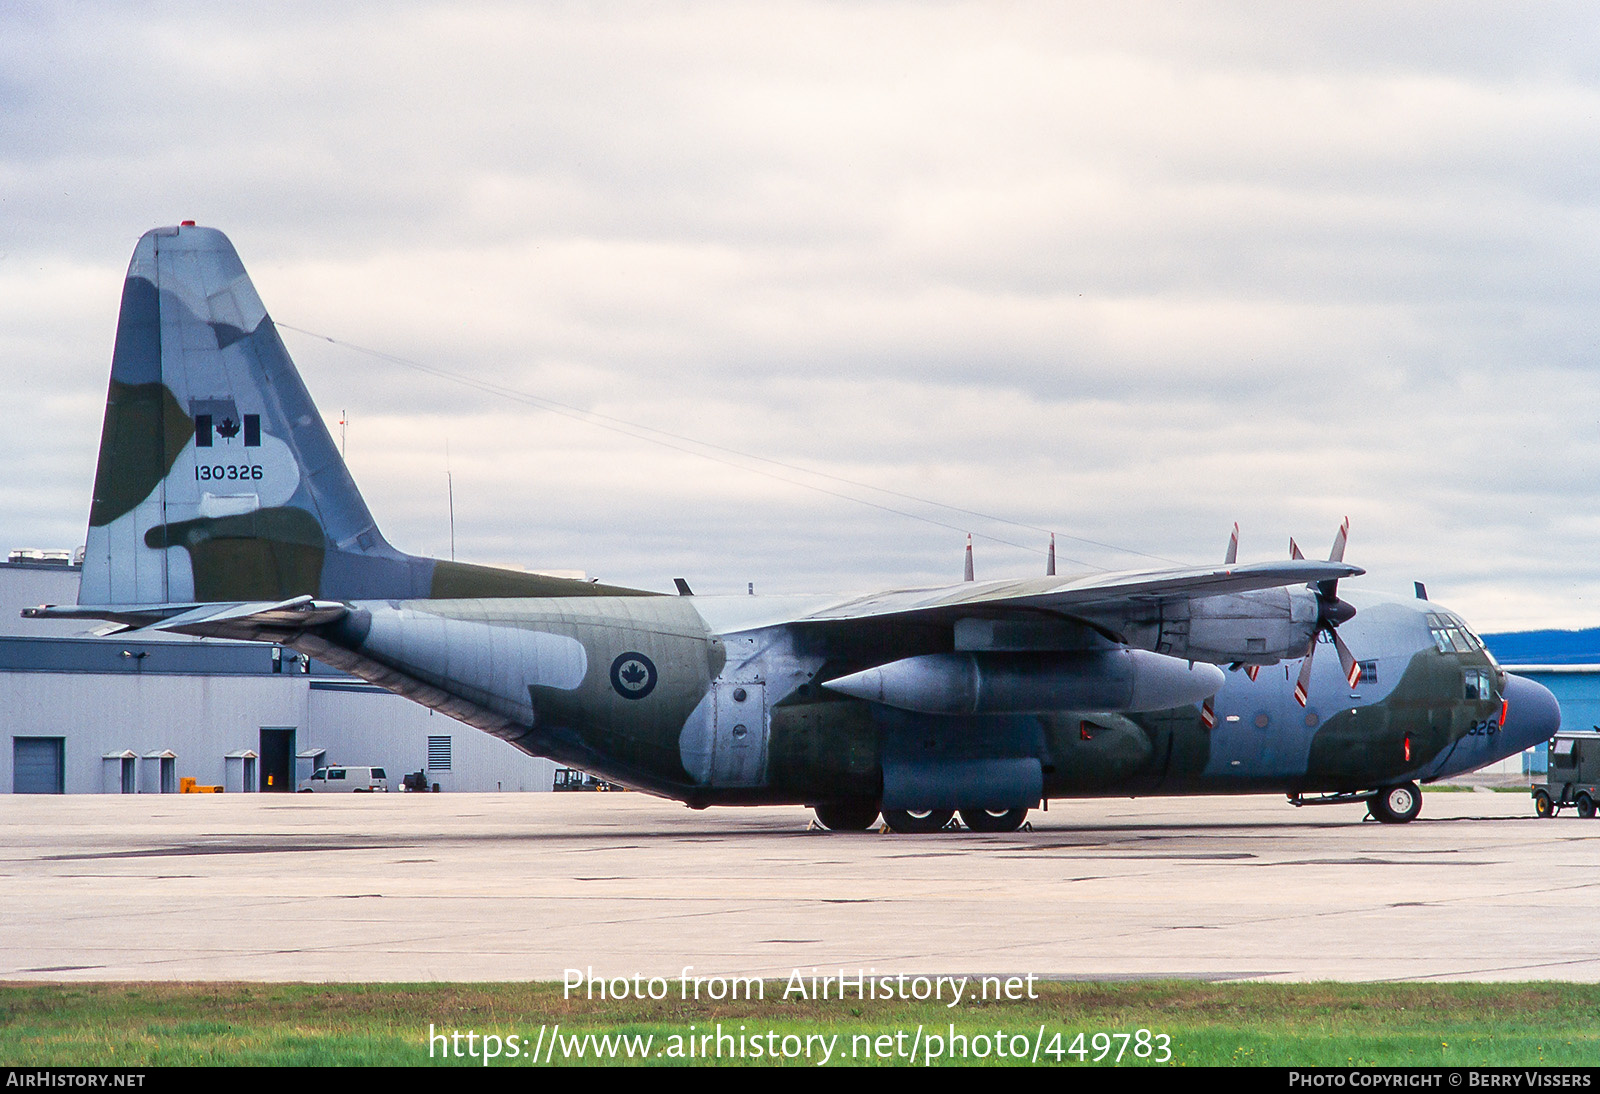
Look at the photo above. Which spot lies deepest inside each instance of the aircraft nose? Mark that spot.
(1532, 713)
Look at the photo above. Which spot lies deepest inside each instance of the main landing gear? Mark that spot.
(858, 817)
(917, 820)
(993, 820)
(847, 816)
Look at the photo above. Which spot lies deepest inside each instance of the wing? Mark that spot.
(1091, 594)
(1223, 614)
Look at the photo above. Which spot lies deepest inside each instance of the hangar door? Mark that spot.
(37, 765)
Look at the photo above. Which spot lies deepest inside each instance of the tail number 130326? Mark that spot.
(227, 472)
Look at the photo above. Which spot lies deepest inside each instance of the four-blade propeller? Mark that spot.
(1331, 612)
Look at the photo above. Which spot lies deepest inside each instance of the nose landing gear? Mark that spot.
(1396, 804)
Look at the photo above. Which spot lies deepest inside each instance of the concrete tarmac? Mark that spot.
(413, 887)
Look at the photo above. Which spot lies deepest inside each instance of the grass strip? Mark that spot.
(1334, 1024)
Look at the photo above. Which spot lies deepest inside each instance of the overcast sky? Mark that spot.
(1126, 272)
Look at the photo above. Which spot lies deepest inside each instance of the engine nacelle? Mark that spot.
(1259, 628)
(1014, 683)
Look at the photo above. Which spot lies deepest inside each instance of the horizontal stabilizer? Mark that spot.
(295, 614)
(128, 615)
(236, 620)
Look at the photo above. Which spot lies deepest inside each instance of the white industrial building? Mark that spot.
(137, 713)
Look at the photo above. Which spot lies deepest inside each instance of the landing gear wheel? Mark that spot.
(1542, 805)
(1396, 804)
(994, 820)
(1585, 806)
(917, 820)
(847, 816)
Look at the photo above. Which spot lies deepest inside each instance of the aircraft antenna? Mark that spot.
(450, 490)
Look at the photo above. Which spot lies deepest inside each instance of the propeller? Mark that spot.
(1331, 612)
(1230, 559)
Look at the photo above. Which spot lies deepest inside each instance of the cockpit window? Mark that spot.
(1480, 685)
(1451, 635)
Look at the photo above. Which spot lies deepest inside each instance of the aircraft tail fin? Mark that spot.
(217, 478)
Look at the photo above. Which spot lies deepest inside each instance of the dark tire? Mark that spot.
(1396, 804)
(1542, 805)
(846, 816)
(1585, 806)
(994, 820)
(911, 821)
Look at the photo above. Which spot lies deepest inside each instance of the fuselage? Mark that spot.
(725, 700)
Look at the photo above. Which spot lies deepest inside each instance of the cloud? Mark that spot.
(1129, 272)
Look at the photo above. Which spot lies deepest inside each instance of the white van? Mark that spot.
(358, 780)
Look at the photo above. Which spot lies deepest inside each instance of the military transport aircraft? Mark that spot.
(222, 507)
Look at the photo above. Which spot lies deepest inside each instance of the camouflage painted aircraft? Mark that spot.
(222, 508)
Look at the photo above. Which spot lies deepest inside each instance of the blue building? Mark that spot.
(1566, 662)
